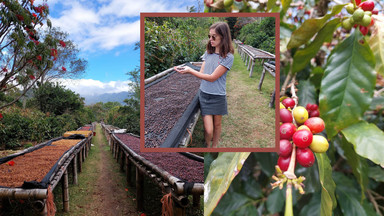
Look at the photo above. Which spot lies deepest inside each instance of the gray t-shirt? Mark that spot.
(212, 61)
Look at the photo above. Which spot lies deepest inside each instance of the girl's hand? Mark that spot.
(182, 70)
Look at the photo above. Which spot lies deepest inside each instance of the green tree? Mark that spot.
(24, 57)
(54, 98)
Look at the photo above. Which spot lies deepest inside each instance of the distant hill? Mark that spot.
(108, 97)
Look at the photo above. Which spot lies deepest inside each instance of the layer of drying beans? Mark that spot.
(172, 162)
(165, 103)
(33, 166)
(85, 128)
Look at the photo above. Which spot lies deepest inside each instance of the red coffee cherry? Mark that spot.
(367, 5)
(287, 130)
(285, 148)
(283, 162)
(302, 138)
(314, 113)
(285, 116)
(305, 157)
(288, 103)
(315, 124)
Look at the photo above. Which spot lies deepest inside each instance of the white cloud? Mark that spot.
(105, 25)
(94, 87)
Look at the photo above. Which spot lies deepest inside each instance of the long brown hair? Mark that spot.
(222, 29)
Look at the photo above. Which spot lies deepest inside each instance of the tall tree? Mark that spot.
(24, 56)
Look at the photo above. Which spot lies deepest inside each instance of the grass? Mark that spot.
(82, 196)
(250, 122)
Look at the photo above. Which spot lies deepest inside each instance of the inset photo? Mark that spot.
(208, 81)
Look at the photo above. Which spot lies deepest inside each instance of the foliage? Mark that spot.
(260, 35)
(54, 98)
(170, 41)
(32, 125)
(25, 56)
(340, 70)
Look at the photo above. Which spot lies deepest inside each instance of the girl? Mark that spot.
(217, 61)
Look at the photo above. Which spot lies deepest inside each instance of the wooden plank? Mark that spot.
(74, 170)
(139, 190)
(65, 191)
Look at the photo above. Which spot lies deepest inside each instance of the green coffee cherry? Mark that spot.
(358, 15)
(228, 3)
(366, 21)
(346, 24)
(350, 8)
(369, 13)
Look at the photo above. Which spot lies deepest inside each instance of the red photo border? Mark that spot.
(277, 82)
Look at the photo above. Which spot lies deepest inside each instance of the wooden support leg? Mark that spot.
(128, 170)
(177, 209)
(196, 201)
(139, 189)
(84, 153)
(65, 192)
(80, 162)
(261, 79)
(74, 166)
(122, 162)
(251, 71)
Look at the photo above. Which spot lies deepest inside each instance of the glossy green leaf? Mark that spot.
(377, 173)
(307, 93)
(349, 204)
(359, 165)
(310, 27)
(221, 173)
(208, 159)
(303, 56)
(377, 103)
(367, 140)
(316, 76)
(246, 210)
(275, 201)
(328, 199)
(267, 162)
(313, 207)
(376, 42)
(230, 203)
(347, 85)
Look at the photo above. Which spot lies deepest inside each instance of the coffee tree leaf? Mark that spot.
(303, 56)
(359, 165)
(310, 27)
(221, 173)
(328, 199)
(347, 86)
(367, 140)
(307, 93)
(275, 203)
(286, 4)
(376, 173)
(230, 203)
(376, 42)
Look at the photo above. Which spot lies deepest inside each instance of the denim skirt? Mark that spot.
(213, 104)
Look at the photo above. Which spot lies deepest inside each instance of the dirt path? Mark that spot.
(102, 187)
(250, 122)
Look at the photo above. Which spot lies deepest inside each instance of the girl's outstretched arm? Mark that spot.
(219, 71)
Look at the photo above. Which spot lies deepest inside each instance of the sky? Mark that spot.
(106, 31)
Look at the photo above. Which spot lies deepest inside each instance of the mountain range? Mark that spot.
(107, 97)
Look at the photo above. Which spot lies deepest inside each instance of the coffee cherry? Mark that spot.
(300, 114)
(346, 24)
(315, 124)
(283, 162)
(287, 130)
(358, 15)
(367, 5)
(357, 2)
(376, 12)
(285, 116)
(366, 20)
(302, 138)
(314, 113)
(285, 148)
(305, 157)
(350, 8)
(369, 13)
(289, 103)
(228, 3)
(364, 30)
(282, 106)
(303, 127)
(319, 144)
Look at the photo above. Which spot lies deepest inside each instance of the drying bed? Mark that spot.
(165, 102)
(35, 165)
(174, 163)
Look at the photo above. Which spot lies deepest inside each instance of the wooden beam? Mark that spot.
(65, 191)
